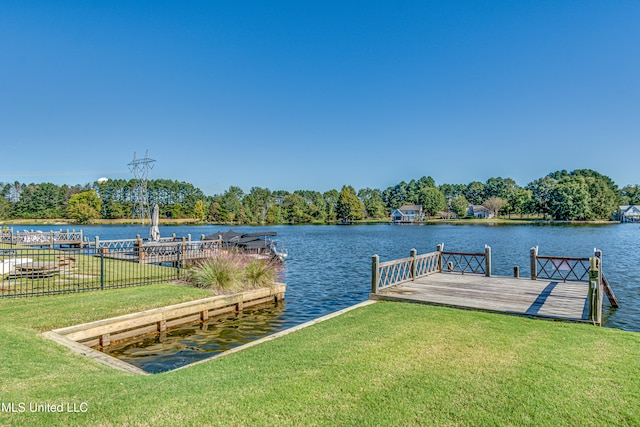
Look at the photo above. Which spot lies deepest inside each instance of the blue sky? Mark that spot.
(315, 95)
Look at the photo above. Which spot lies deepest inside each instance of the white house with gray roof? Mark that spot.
(479, 211)
(628, 213)
(407, 214)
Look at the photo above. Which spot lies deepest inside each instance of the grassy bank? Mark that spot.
(385, 364)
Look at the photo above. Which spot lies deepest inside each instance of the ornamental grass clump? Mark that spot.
(261, 273)
(221, 273)
(233, 272)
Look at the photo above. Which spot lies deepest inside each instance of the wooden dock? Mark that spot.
(559, 287)
(526, 297)
(164, 252)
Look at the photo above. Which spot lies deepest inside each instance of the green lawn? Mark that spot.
(384, 364)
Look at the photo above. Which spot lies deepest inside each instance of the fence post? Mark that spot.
(375, 273)
(179, 261)
(516, 271)
(533, 262)
(102, 269)
(440, 248)
(184, 246)
(414, 264)
(487, 260)
(52, 239)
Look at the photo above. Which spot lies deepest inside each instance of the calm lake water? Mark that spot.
(329, 267)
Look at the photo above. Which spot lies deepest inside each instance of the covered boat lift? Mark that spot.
(259, 243)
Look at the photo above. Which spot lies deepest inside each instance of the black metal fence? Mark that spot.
(38, 271)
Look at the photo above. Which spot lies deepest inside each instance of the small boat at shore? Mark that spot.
(259, 244)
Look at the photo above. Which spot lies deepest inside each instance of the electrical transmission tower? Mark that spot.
(140, 169)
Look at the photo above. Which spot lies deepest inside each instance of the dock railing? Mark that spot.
(42, 238)
(119, 245)
(558, 267)
(572, 269)
(174, 250)
(390, 273)
(466, 262)
(177, 253)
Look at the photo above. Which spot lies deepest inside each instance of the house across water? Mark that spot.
(628, 213)
(479, 211)
(407, 214)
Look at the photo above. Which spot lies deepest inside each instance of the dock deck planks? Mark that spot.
(526, 297)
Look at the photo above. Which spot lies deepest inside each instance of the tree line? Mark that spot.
(581, 194)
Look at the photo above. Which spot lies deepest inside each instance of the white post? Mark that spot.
(533, 262)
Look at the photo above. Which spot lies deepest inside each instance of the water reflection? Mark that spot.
(189, 343)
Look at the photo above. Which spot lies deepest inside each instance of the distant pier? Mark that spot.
(42, 238)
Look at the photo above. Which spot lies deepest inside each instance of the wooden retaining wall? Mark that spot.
(101, 333)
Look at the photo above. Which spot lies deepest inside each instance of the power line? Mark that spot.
(140, 169)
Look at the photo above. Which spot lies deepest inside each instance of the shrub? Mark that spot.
(260, 272)
(231, 272)
(220, 273)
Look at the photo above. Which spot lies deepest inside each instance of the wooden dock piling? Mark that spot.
(487, 260)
